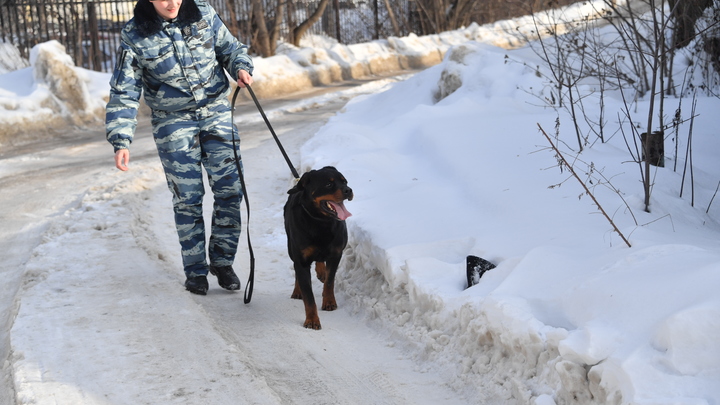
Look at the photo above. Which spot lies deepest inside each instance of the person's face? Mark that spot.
(167, 9)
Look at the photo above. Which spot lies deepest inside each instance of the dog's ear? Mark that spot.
(300, 184)
(296, 189)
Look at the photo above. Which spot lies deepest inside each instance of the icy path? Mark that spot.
(104, 319)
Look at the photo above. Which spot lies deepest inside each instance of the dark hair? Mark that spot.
(147, 21)
(145, 8)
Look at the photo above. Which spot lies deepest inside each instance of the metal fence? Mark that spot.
(90, 29)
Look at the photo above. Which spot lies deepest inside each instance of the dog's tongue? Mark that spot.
(342, 213)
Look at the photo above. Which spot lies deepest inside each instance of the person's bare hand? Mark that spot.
(244, 78)
(122, 158)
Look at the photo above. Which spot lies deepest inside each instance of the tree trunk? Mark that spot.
(230, 4)
(462, 12)
(291, 23)
(262, 42)
(305, 25)
(444, 15)
(393, 20)
(275, 36)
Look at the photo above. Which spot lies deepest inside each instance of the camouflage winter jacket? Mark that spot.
(178, 65)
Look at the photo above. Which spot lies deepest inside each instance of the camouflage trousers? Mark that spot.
(186, 141)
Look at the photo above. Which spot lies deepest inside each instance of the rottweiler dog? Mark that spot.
(315, 217)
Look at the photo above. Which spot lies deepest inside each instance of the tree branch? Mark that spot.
(564, 162)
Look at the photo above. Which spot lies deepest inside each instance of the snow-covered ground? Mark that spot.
(570, 315)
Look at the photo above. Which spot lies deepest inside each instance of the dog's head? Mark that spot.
(325, 191)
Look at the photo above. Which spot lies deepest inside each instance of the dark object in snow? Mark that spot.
(655, 147)
(476, 267)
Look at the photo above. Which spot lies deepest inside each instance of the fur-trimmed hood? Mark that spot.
(148, 22)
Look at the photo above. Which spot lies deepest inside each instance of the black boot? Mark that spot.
(197, 285)
(226, 277)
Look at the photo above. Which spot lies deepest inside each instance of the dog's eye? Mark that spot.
(329, 185)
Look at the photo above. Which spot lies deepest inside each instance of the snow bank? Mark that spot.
(10, 58)
(56, 95)
(453, 166)
(321, 60)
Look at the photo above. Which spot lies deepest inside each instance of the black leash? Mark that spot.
(251, 280)
(277, 140)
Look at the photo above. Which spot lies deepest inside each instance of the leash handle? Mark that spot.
(267, 122)
(251, 280)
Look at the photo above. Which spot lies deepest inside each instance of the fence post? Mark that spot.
(336, 5)
(377, 21)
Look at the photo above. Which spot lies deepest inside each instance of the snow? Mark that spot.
(445, 164)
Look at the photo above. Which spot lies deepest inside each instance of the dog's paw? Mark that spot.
(313, 324)
(329, 304)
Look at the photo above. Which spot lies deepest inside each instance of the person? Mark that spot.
(174, 52)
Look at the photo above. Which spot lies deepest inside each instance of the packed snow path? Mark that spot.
(109, 322)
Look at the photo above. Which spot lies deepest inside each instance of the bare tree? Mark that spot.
(301, 29)
(636, 61)
(565, 164)
(686, 13)
(445, 15)
(266, 29)
(233, 26)
(277, 23)
(393, 19)
(261, 38)
(291, 21)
